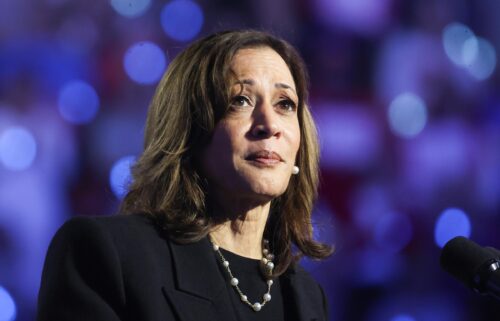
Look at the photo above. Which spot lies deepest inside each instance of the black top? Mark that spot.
(253, 285)
(124, 268)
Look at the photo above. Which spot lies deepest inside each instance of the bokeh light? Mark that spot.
(470, 50)
(455, 37)
(7, 306)
(412, 306)
(483, 61)
(130, 8)
(78, 102)
(362, 16)
(393, 231)
(120, 176)
(182, 19)
(477, 55)
(451, 223)
(407, 115)
(440, 156)
(349, 136)
(403, 317)
(145, 62)
(17, 148)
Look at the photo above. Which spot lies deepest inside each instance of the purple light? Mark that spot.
(401, 67)
(350, 137)
(438, 157)
(362, 16)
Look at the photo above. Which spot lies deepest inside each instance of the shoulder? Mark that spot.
(303, 281)
(116, 227)
(298, 272)
(132, 235)
(308, 291)
(114, 223)
(94, 263)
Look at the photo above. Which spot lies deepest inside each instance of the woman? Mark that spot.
(223, 190)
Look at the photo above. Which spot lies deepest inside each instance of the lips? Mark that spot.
(265, 157)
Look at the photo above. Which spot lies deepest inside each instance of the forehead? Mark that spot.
(261, 62)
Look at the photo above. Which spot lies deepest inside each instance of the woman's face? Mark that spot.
(254, 146)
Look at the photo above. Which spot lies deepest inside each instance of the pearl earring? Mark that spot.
(295, 170)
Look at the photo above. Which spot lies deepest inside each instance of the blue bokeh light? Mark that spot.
(475, 54)
(145, 62)
(7, 306)
(455, 38)
(131, 8)
(17, 148)
(483, 60)
(120, 176)
(393, 232)
(78, 102)
(470, 50)
(451, 223)
(407, 115)
(403, 317)
(182, 19)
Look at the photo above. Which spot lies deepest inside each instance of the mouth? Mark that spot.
(265, 157)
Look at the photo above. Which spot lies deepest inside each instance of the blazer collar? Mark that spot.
(198, 274)
(196, 269)
(200, 290)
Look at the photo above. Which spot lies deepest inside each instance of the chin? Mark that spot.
(263, 183)
(268, 189)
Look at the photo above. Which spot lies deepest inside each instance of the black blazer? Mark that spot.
(122, 268)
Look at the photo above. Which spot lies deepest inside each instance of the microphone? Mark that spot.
(478, 267)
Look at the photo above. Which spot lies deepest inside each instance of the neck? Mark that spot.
(242, 233)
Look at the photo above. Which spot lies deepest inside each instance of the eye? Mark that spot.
(288, 105)
(240, 101)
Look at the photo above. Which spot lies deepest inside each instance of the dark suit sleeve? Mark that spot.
(82, 277)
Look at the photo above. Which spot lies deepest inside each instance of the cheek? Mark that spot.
(294, 139)
(223, 148)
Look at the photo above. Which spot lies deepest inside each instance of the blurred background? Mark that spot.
(405, 95)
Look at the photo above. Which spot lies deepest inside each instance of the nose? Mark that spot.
(266, 122)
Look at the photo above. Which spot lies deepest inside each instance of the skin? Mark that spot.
(262, 116)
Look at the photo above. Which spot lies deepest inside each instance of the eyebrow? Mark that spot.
(251, 82)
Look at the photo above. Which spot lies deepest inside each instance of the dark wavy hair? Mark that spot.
(191, 98)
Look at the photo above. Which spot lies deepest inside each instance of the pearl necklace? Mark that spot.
(266, 267)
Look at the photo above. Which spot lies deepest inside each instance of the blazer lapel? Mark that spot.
(200, 291)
